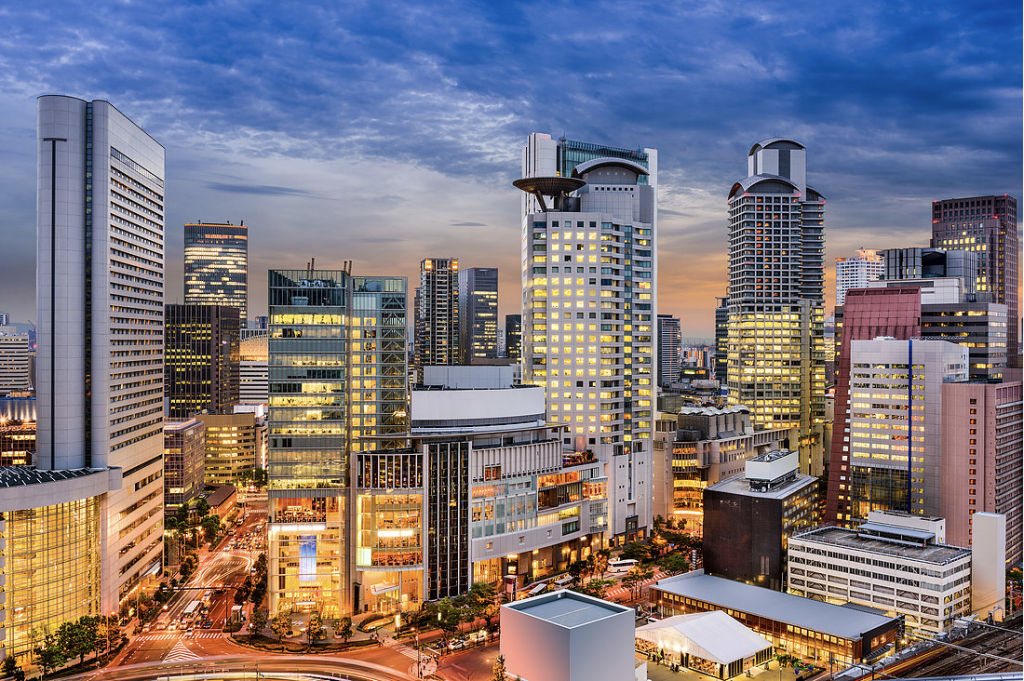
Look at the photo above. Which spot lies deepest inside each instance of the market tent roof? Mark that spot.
(712, 636)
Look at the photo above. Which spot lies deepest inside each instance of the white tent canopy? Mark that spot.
(712, 636)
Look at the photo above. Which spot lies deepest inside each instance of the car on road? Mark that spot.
(207, 624)
(172, 626)
(190, 632)
(456, 644)
(477, 636)
(160, 626)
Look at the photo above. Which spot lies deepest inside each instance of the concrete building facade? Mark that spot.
(981, 460)
(699, 447)
(855, 272)
(100, 300)
(589, 308)
(437, 314)
(776, 296)
(897, 563)
(896, 389)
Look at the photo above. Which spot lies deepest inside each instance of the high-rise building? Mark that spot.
(947, 313)
(217, 265)
(338, 392)
(184, 461)
(933, 263)
(14, 363)
(986, 225)
(981, 460)
(856, 272)
(895, 421)
(252, 367)
(100, 278)
(514, 336)
(201, 349)
(776, 296)
(478, 314)
(669, 340)
(235, 444)
(437, 313)
(722, 341)
(590, 216)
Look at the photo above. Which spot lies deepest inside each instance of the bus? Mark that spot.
(620, 566)
(190, 611)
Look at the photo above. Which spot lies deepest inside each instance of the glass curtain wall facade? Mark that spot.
(437, 313)
(307, 467)
(51, 569)
(478, 314)
(337, 378)
(217, 265)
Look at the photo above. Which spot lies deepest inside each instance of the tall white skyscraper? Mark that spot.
(776, 296)
(100, 307)
(868, 265)
(589, 268)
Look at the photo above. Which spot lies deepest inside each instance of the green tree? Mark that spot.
(11, 670)
(674, 562)
(50, 655)
(242, 592)
(75, 640)
(635, 551)
(257, 620)
(598, 588)
(202, 507)
(577, 569)
(448, 617)
(499, 669)
(211, 527)
(281, 625)
(345, 630)
(315, 629)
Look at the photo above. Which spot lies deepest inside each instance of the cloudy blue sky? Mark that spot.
(384, 132)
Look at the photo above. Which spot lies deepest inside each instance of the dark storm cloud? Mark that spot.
(899, 103)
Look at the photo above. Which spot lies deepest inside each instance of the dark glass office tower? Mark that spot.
(514, 336)
(986, 225)
(217, 265)
(201, 345)
(478, 314)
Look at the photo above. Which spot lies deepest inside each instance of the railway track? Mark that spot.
(943, 661)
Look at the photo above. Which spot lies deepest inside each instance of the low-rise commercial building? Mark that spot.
(236, 443)
(895, 562)
(567, 636)
(50, 554)
(799, 626)
(701, 446)
(184, 461)
(749, 519)
(711, 643)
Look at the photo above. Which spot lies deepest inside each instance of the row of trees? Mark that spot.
(89, 634)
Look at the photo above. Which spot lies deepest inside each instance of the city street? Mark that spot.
(220, 569)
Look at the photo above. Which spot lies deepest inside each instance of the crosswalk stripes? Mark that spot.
(179, 653)
(408, 652)
(173, 636)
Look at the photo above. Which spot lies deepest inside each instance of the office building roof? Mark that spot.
(937, 554)
(740, 484)
(567, 608)
(830, 619)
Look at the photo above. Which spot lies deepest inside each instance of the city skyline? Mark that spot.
(413, 128)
